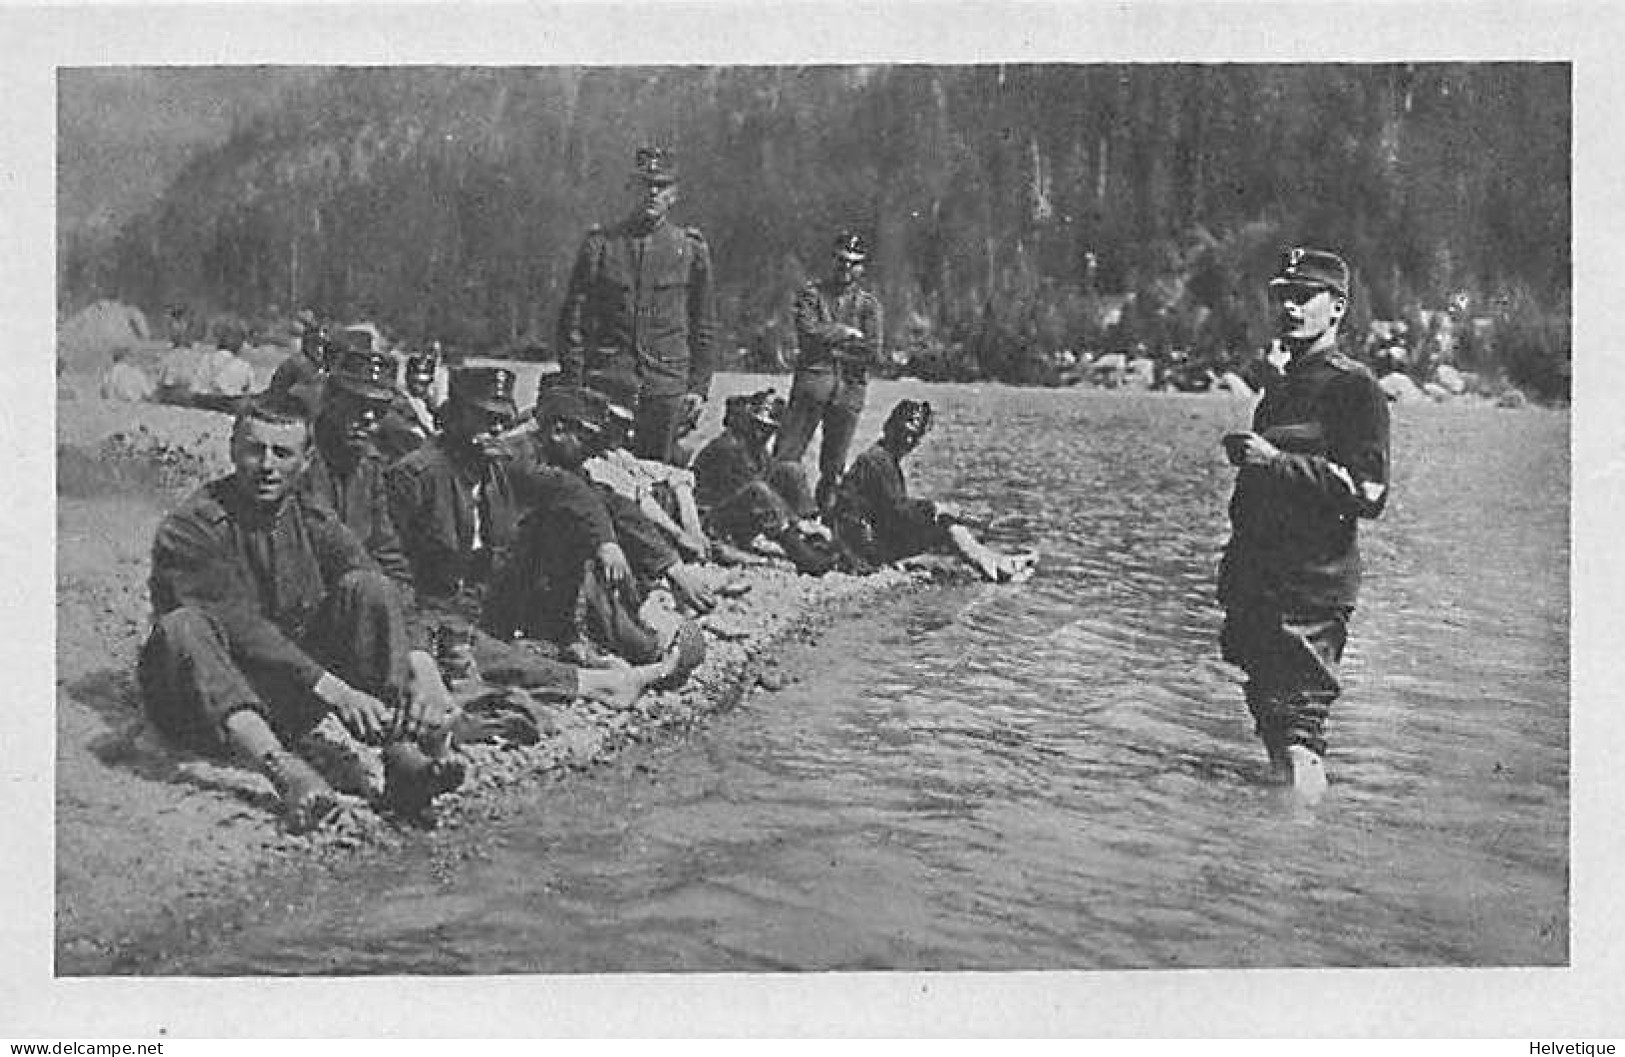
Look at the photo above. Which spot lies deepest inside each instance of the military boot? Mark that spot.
(307, 800)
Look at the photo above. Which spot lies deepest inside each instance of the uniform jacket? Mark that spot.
(1293, 521)
(297, 369)
(591, 513)
(262, 577)
(874, 491)
(360, 497)
(641, 304)
(821, 309)
(723, 467)
(432, 502)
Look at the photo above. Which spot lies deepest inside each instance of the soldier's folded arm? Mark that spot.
(807, 313)
(1354, 477)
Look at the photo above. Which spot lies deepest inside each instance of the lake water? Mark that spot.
(1059, 775)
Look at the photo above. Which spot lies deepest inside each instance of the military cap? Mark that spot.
(913, 416)
(654, 165)
(365, 374)
(851, 247)
(570, 403)
(1313, 268)
(490, 388)
(762, 408)
(421, 365)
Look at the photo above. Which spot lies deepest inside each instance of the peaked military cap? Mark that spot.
(913, 416)
(1314, 268)
(654, 165)
(490, 388)
(851, 247)
(421, 365)
(363, 373)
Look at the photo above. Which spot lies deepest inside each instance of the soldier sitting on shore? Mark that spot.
(409, 418)
(664, 493)
(743, 492)
(588, 557)
(458, 511)
(877, 519)
(346, 470)
(308, 364)
(270, 617)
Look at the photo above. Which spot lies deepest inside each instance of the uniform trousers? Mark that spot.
(832, 399)
(1291, 661)
(764, 506)
(654, 430)
(191, 682)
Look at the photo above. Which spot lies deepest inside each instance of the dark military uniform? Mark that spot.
(1291, 571)
(831, 378)
(563, 593)
(400, 429)
(298, 371)
(741, 492)
(252, 608)
(875, 517)
(358, 492)
(639, 303)
(458, 525)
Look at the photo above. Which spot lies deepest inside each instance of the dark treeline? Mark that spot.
(1012, 209)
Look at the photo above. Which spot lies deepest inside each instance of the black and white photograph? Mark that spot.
(551, 496)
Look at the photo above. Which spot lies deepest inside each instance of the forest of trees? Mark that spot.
(1010, 208)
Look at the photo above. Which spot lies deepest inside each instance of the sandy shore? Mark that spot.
(149, 839)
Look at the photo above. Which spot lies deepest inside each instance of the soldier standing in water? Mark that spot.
(1313, 464)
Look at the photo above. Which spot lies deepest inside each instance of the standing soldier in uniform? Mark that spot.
(1314, 463)
(639, 303)
(838, 338)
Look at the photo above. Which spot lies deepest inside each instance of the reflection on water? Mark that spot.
(1061, 775)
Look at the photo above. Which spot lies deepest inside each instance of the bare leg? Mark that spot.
(307, 800)
(973, 550)
(623, 686)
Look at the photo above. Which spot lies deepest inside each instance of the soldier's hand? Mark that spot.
(693, 404)
(612, 560)
(849, 333)
(690, 589)
(365, 716)
(1248, 449)
(428, 702)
